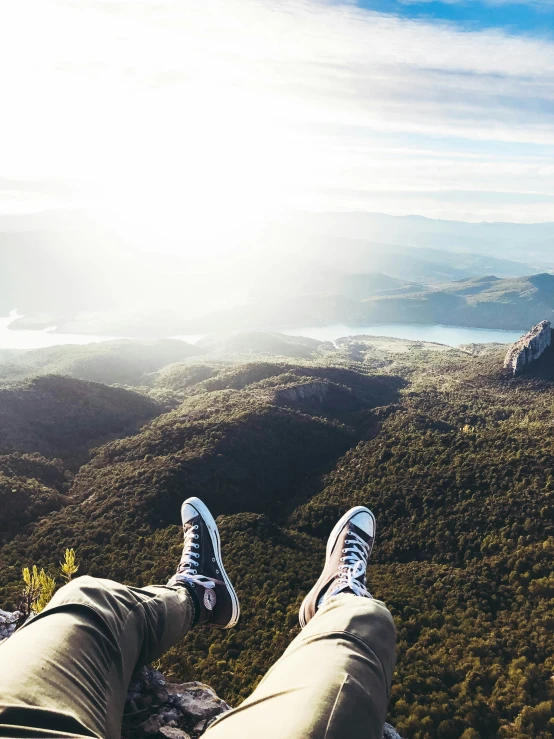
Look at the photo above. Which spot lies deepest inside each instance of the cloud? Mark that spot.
(251, 104)
(540, 5)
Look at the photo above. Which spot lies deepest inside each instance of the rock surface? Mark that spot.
(8, 623)
(303, 391)
(529, 348)
(156, 708)
(389, 732)
(160, 710)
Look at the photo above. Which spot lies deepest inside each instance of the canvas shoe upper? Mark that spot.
(348, 549)
(201, 568)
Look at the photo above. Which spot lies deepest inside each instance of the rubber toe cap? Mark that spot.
(365, 522)
(188, 512)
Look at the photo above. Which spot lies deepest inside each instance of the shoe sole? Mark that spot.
(211, 525)
(331, 541)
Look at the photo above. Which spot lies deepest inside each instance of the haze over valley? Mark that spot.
(82, 277)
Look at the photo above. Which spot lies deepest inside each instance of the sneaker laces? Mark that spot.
(353, 563)
(187, 570)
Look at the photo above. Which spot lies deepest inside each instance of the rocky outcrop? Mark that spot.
(157, 709)
(529, 348)
(303, 391)
(8, 623)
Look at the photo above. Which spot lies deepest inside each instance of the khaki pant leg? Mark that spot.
(69, 668)
(331, 683)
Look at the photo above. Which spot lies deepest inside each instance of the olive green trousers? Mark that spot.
(65, 674)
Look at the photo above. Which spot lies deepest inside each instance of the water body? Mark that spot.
(450, 335)
(10, 339)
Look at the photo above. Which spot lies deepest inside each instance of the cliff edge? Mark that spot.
(529, 348)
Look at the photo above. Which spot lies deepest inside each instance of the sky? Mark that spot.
(219, 113)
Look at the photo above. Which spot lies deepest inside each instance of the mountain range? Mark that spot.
(362, 299)
(83, 277)
(528, 242)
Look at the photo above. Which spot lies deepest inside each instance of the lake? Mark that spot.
(451, 335)
(39, 339)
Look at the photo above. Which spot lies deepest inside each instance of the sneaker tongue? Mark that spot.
(337, 590)
(332, 590)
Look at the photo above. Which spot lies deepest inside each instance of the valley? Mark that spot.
(452, 454)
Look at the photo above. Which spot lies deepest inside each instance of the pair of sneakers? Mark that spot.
(201, 568)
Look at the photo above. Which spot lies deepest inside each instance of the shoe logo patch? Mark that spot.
(209, 599)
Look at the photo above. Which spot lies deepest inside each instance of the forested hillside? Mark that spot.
(492, 302)
(454, 457)
(121, 361)
(62, 417)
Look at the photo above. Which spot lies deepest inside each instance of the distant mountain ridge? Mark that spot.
(528, 241)
(488, 302)
(84, 278)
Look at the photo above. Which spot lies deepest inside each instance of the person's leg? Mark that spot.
(69, 668)
(67, 671)
(333, 680)
(331, 683)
